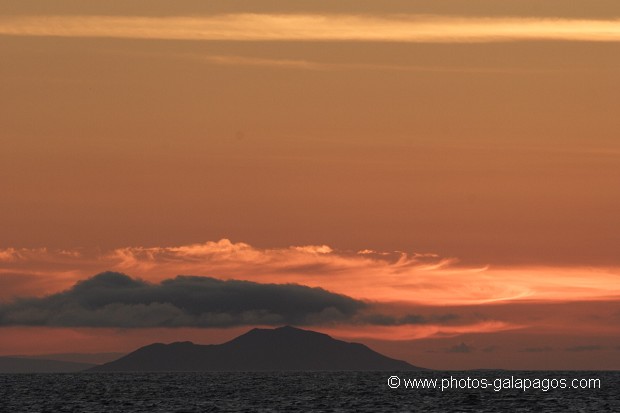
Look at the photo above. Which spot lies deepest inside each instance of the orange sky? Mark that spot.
(428, 157)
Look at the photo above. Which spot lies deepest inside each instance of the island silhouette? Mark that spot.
(280, 349)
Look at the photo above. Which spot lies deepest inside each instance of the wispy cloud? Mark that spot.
(299, 64)
(460, 348)
(379, 276)
(594, 347)
(367, 294)
(300, 27)
(543, 349)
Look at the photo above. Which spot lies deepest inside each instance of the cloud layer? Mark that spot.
(378, 276)
(316, 27)
(112, 299)
(364, 295)
(116, 300)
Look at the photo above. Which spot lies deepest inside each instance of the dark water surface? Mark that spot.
(301, 392)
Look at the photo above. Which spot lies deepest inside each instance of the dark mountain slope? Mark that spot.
(284, 348)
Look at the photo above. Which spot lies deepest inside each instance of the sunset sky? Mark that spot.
(446, 172)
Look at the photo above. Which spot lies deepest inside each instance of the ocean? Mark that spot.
(312, 391)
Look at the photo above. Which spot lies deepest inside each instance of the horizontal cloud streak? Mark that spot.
(300, 27)
(113, 299)
(379, 276)
(327, 66)
(116, 300)
(393, 295)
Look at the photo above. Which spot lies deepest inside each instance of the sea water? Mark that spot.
(311, 391)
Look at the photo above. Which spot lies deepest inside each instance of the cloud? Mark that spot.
(113, 299)
(410, 319)
(460, 348)
(116, 300)
(312, 265)
(412, 278)
(544, 349)
(232, 60)
(315, 27)
(8, 255)
(593, 347)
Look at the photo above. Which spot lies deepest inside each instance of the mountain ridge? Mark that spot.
(281, 349)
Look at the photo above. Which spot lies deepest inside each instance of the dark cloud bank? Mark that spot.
(117, 300)
(113, 299)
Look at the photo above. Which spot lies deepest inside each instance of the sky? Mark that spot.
(436, 179)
